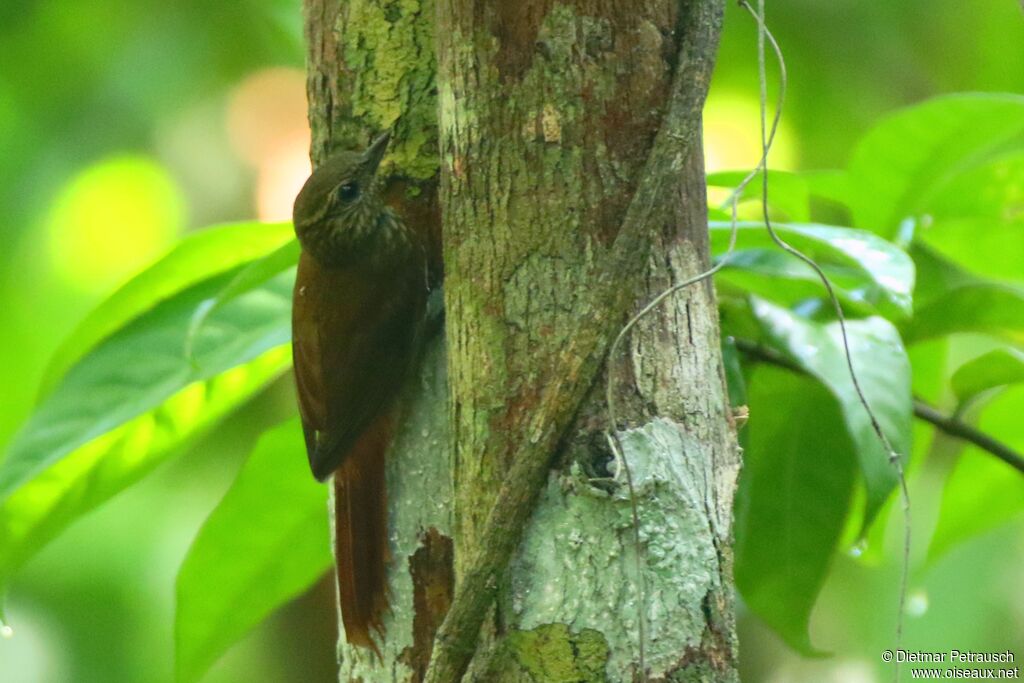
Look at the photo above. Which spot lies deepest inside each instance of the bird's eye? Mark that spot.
(348, 191)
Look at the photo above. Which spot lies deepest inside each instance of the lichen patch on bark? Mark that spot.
(577, 563)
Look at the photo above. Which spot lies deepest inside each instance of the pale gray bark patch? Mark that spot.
(675, 361)
(577, 564)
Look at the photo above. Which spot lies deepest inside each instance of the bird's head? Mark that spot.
(340, 207)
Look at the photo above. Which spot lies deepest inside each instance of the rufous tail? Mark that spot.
(361, 536)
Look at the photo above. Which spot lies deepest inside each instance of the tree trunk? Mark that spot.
(563, 206)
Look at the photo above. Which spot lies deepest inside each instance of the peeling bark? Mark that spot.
(433, 581)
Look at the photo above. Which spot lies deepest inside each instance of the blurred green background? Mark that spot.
(124, 126)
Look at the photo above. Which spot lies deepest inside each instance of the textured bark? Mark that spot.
(370, 68)
(549, 115)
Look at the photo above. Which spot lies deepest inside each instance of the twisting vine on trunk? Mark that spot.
(767, 138)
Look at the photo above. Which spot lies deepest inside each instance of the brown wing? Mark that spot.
(306, 356)
(353, 343)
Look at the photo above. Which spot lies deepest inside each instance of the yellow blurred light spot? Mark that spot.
(732, 135)
(112, 219)
(268, 128)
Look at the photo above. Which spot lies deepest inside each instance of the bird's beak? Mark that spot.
(375, 152)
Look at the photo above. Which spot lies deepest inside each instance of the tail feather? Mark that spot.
(361, 536)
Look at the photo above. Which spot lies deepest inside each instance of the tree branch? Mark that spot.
(580, 359)
(947, 424)
(955, 428)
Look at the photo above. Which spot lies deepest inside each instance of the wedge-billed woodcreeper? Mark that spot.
(358, 305)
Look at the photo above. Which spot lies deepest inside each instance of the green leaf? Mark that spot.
(134, 401)
(883, 372)
(985, 307)
(39, 509)
(265, 543)
(936, 275)
(983, 492)
(977, 220)
(831, 185)
(998, 368)
(736, 317)
(868, 273)
(930, 362)
(253, 275)
(196, 258)
(900, 167)
(794, 494)
(787, 192)
(143, 365)
(735, 380)
(949, 300)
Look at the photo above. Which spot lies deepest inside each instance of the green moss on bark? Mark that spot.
(549, 654)
(388, 52)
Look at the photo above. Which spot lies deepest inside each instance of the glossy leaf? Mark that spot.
(900, 167)
(196, 258)
(266, 542)
(794, 493)
(998, 368)
(868, 272)
(883, 371)
(38, 510)
(984, 307)
(144, 364)
(255, 274)
(132, 402)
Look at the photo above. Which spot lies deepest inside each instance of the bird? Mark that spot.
(358, 307)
